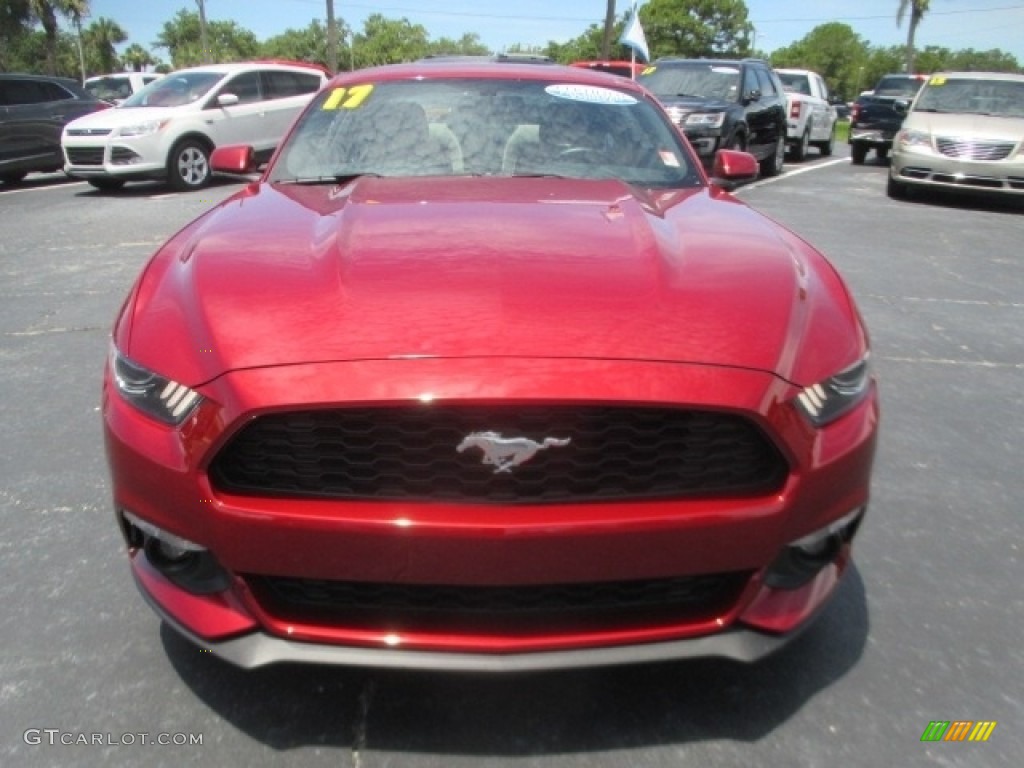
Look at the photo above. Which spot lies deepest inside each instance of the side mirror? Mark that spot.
(752, 95)
(731, 167)
(234, 159)
(227, 100)
(901, 107)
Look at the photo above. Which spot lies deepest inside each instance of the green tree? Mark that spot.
(227, 41)
(467, 45)
(15, 24)
(918, 8)
(136, 58)
(834, 51)
(586, 47)
(995, 60)
(389, 41)
(712, 28)
(100, 37)
(307, 44)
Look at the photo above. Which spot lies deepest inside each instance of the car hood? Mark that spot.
(121, 116)
(972, 126)
(389, 268)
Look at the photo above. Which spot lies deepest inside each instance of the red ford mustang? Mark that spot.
(484, 374)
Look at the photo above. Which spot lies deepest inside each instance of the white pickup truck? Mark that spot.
(810, 116)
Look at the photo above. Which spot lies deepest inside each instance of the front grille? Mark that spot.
(85, 155)
(410, 453)
(88, 131)
(971, 149)
(547, 608)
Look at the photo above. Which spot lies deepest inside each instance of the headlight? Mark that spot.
(157, 396)
(826, 401)
(908, 138)
(706, 120)
(142, 129)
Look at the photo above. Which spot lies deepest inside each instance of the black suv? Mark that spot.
(719, 104)
(33, 112)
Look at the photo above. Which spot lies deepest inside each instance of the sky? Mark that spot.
(954, 24)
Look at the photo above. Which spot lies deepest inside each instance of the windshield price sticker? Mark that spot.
(591, 94)
(938, 80)
(347, 98)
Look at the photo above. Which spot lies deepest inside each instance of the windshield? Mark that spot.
(484, 127)
(175, 89)
(1003, 98)
(707, 81)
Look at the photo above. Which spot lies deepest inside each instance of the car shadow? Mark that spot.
(150, 188)
(37, 181)
(577, 711)
(975, 201)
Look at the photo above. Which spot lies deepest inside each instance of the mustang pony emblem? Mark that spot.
(507, 452)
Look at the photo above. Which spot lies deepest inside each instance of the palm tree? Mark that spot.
(102, 35)
(136, 58)
(46, 13)
(918, 8)
(76, 10)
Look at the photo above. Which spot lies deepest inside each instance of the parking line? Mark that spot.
(797, 172)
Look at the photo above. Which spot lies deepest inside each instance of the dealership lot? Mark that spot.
(926, 628)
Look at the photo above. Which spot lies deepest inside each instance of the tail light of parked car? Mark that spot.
(795, 108)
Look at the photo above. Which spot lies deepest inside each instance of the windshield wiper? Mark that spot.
(338, 178)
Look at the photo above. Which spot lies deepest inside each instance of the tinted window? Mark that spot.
(795, 83)
(750, 82)
(280, 85)
(245, 86)
(764, 80)
(18, 92)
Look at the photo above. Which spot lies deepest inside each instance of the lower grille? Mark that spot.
(970, 149)
(547, 608)
(85, 155)
(123, 155)
(412, 453)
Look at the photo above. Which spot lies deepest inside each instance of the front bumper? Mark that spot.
(87, 158)
(927, 168)
(160, 475)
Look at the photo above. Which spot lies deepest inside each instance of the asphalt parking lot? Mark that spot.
(927, 627)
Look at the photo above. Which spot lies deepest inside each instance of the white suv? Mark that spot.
(169, 128)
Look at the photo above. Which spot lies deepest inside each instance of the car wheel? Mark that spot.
(801, 147)
(106, 185)
(772, 166)
(13, 177)
(826, 147)
(882, 153)
(188, 166)
(858, 152)
(896, 190)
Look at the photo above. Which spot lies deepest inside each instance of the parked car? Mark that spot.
(379, 409)
(874, 120)
(737, 104)
(33, 111)
(118, 86)
(965, 131)
(169, 128)
(812, 115)
(630, 69)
